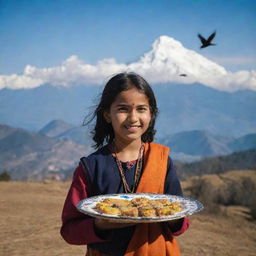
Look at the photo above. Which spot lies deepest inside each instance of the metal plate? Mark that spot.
(189, 206)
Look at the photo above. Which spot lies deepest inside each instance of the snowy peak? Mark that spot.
(166, 46)
(171, 55)
(168, 62)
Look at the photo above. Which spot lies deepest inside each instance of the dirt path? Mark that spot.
(30, 222)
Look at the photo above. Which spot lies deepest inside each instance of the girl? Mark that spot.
(129, 162)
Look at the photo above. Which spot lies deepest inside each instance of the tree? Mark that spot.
(4, 176)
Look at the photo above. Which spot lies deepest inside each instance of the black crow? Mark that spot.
(207, 42)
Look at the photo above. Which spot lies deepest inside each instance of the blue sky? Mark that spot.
(43, 33)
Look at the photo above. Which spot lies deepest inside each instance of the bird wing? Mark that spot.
(203, 40)
(211, 37)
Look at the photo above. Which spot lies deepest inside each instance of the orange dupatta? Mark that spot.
(148, 239)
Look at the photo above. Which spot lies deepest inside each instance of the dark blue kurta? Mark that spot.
(103, 173)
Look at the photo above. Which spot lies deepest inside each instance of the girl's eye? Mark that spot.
(122, 109)
(142, 109)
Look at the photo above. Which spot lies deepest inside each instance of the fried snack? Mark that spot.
(147, 211)
(165, 202)
(164, 211)
(115, 202)
(140, 201)
(107, 209)
(138, 207)
(129, 211)
(176, 206)
(156, 203)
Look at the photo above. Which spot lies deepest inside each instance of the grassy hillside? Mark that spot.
(30, 223)
(244, 160)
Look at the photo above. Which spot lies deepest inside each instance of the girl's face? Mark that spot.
(129, 115)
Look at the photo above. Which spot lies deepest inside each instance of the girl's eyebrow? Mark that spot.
(125, 105)
(122, 104)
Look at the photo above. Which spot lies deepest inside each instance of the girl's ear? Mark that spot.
(107, 117)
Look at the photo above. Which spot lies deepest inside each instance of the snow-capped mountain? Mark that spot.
(171, 59)
(165, 63)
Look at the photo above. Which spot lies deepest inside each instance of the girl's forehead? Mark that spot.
(132, 96)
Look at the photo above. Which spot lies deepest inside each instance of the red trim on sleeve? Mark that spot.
(184, 227)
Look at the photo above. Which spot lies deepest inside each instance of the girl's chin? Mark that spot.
(132, 137)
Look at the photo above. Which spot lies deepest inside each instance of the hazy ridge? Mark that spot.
(183, 107)
(55, 150)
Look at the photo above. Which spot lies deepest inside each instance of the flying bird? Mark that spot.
(207, 42)
(183, 74)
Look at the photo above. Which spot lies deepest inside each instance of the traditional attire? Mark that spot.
(98, 174)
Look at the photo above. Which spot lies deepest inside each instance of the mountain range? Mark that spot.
(27, 155)
(181, 108)
(243, 160)
(184, 145)
(55, 150)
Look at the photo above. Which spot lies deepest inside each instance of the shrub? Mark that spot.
(231, 188)
(4, 176)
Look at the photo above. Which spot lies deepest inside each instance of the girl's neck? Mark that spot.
(127, 152)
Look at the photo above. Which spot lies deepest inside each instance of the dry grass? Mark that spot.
(30, 223)
(30, 219)
(213, 235)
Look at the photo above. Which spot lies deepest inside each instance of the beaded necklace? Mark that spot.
(137, 171)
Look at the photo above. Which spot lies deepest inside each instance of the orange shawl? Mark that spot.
(149, 239)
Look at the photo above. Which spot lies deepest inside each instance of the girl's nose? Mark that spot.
(133, 116)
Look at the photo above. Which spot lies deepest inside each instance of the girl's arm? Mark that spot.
(77, 228)
(173, 187)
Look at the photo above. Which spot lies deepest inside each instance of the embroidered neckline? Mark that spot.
(129, 164)
(137, 174)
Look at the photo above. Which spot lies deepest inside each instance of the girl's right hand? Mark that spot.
(101, 224)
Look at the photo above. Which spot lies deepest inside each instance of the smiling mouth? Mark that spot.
(132, 126)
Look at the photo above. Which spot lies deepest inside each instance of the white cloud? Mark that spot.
(234, 60)
(19, 82)
(164, 63)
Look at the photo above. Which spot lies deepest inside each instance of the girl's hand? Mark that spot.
(101, 224)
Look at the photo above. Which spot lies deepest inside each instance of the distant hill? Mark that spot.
(31, 109)
(195, 107)
(32, 156)
(199, 143)
(6, 130)
(80, 135)
(244, 160)
(64, 130)
(55, 128)
(243, 143)
(27, 155)
(187, 146)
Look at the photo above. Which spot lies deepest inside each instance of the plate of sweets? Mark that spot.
(139, 207)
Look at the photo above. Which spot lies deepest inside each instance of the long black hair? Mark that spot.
(103, 130)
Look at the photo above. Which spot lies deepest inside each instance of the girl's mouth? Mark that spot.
(132, 128)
